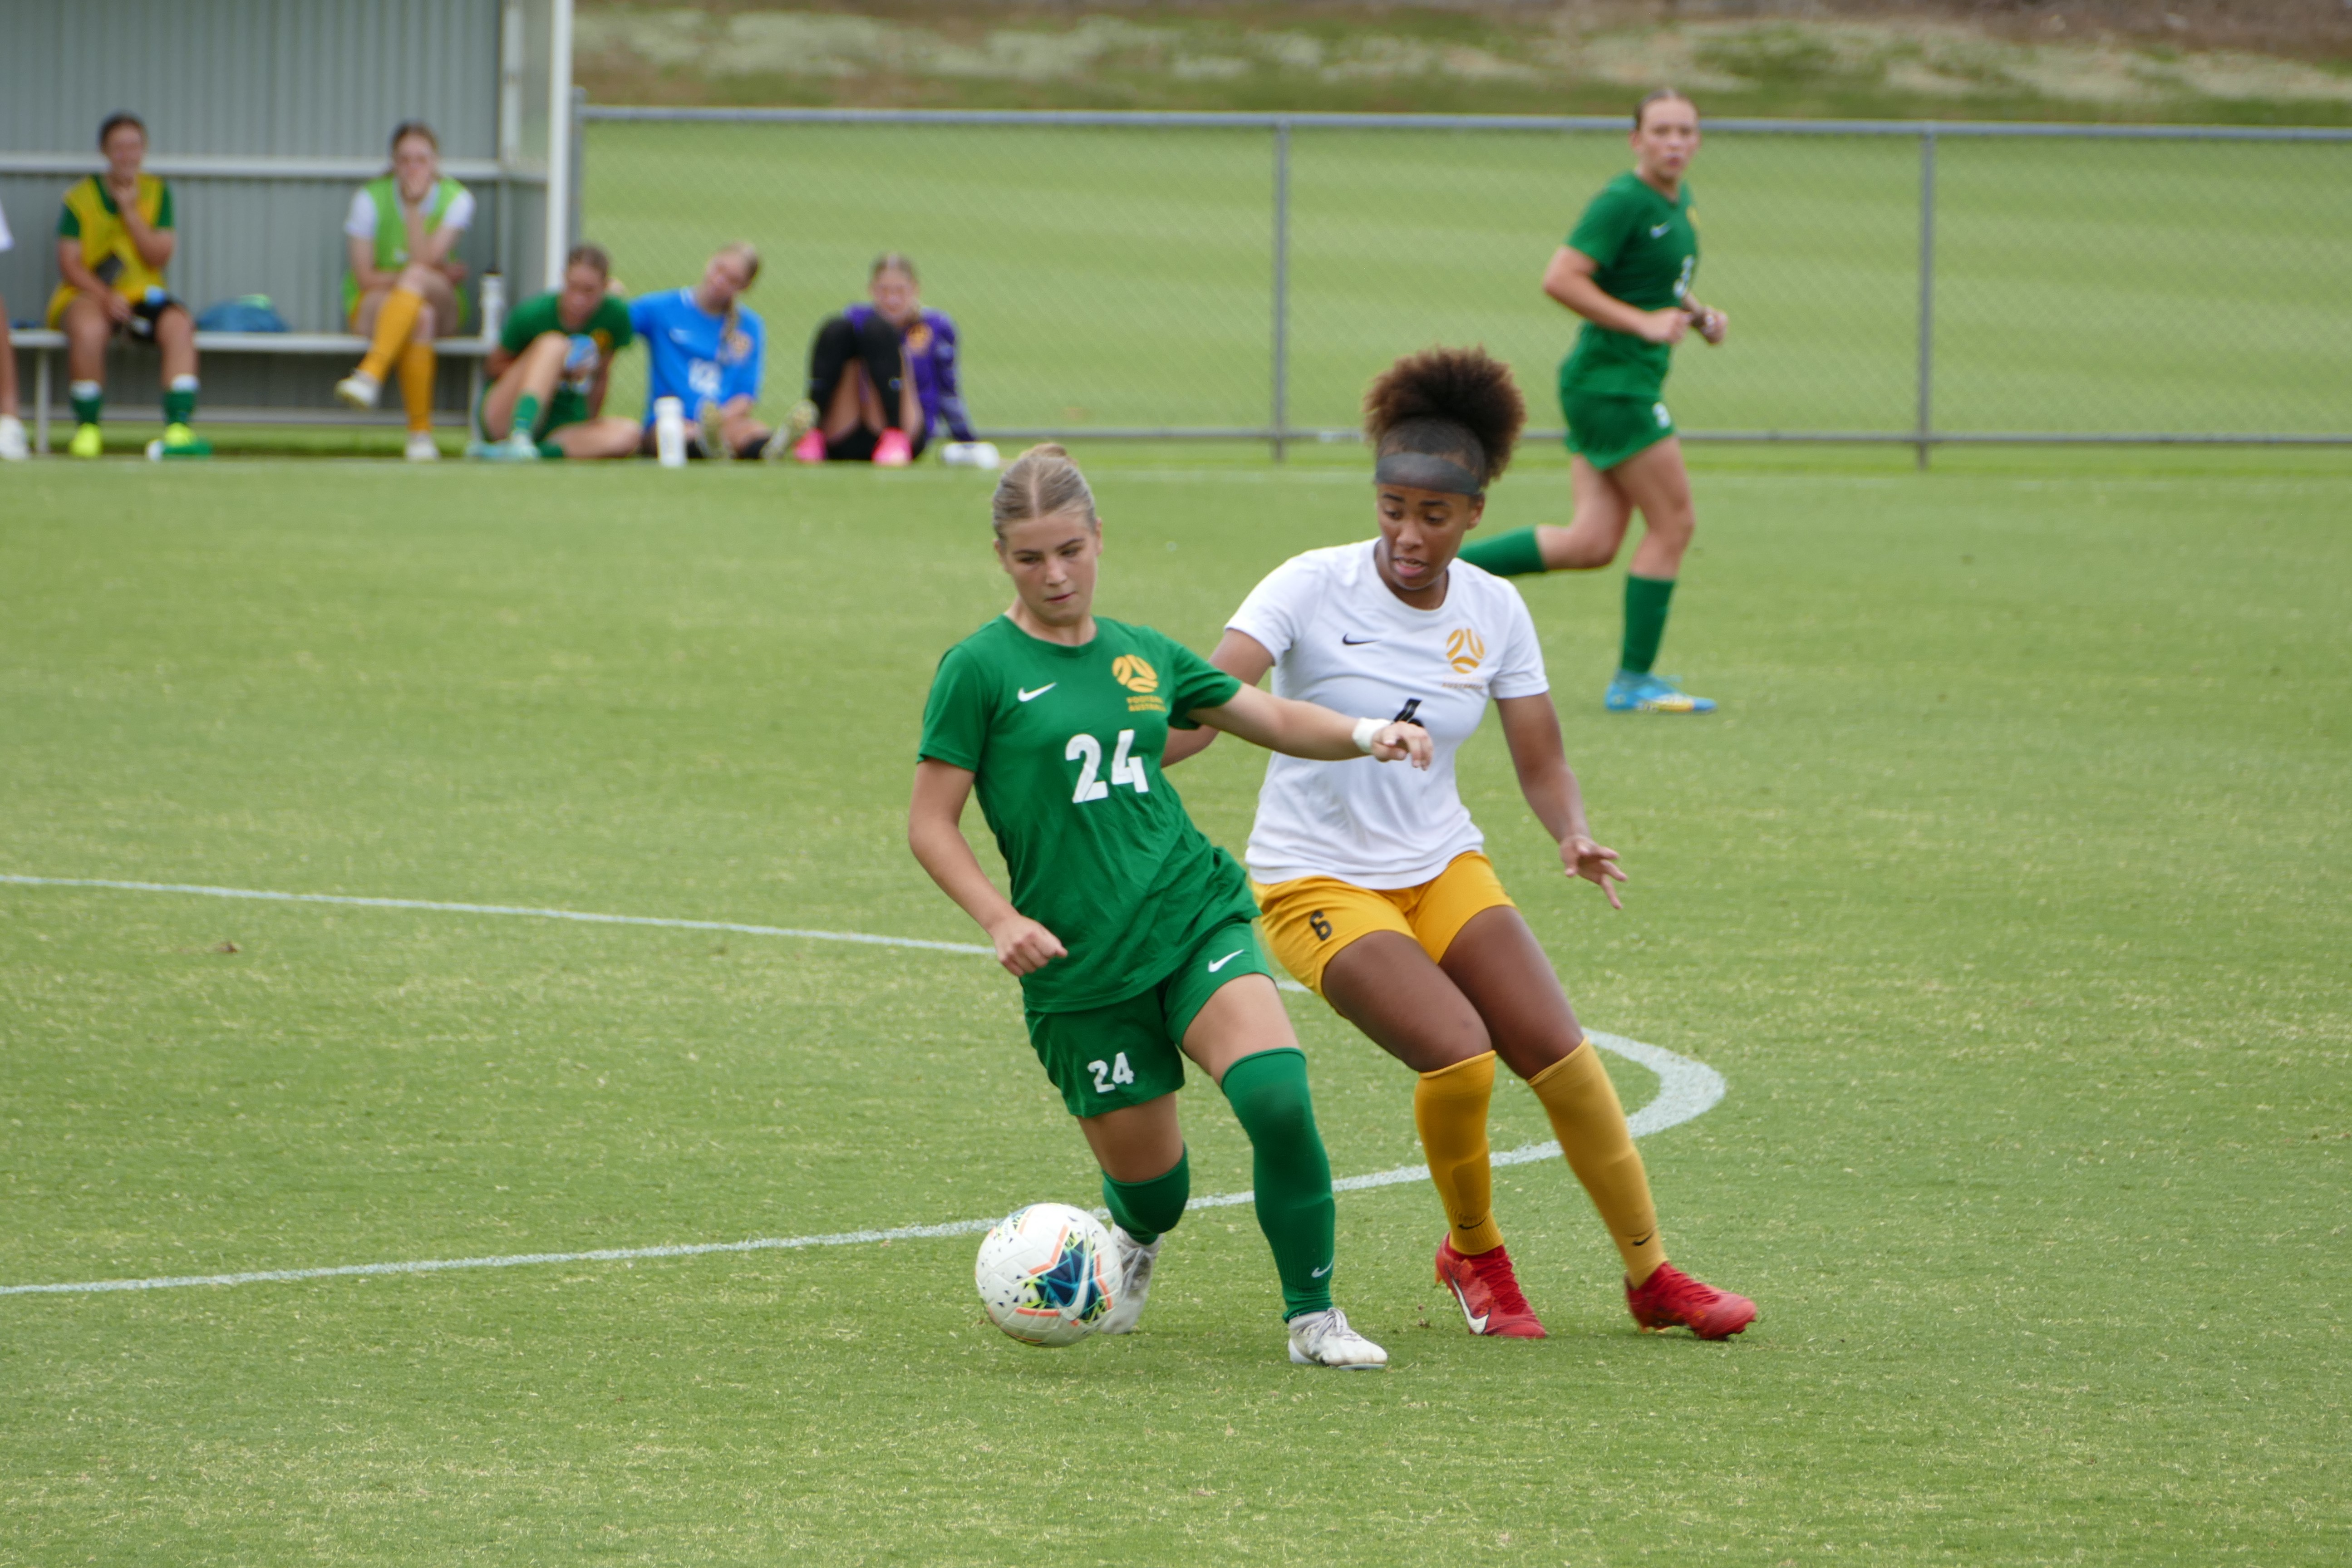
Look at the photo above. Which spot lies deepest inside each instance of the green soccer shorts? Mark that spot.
(1129, 1052)
(1605, 429)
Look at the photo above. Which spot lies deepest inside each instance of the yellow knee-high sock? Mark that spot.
(1449, 1106)
(1591, 1123)
(416, 362)
(393, 323)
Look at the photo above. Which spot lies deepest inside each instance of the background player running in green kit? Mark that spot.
(1627, 269)
(1129, 930)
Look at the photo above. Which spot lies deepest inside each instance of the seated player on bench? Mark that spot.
(114, 241)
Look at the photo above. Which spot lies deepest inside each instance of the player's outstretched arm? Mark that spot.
(1531, 729)
(1311, 730)
(935, 832)
(1245, 658)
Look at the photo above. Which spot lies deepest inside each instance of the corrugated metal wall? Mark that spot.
(317, 84)
(252, 76)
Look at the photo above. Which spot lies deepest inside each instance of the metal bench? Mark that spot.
(299, 349)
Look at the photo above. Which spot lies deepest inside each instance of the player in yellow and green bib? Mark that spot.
(115, 238)
(402, 288)
(1627, 269)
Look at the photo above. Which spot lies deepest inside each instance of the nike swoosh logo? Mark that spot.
(1478, 1322)
(1659, 230)
(1227, 959)
(1032, 696)
(1318, 1273)
(1642, 1240)
(1356, 642)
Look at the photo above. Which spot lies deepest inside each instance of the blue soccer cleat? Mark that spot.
(1631, 693)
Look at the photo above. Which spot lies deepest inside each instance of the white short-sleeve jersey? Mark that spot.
(1342, 638)
(360, 222)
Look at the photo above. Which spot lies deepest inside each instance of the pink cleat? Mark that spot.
(809, 449)
(893, 450)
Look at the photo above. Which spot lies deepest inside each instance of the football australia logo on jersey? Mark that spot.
(1465, 650)
(1134, 672)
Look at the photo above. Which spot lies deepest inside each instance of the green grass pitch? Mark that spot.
(2006, 891)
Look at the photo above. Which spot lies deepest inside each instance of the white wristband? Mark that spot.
(1365, 730)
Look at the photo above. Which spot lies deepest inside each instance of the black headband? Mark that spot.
(1427, 471)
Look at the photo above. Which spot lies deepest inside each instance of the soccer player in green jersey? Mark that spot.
(1626, 269)
(1129, 929)
(546, 395)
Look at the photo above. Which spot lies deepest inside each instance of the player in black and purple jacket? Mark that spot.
(881, 377)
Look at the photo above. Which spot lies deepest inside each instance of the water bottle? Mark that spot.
(669, 431)
(494, 303)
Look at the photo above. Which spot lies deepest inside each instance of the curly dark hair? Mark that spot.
(1451, 403)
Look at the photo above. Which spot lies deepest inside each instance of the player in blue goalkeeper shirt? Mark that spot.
(706, 348)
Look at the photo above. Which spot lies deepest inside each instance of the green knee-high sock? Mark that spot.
(1646, 599)
(180, 400)
(1145, 1209)
(1517, 553)
(88, 401)
(552, 449)
(1270, 1096)
(526, 414)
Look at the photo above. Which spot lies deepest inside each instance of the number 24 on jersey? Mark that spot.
(1086, 750)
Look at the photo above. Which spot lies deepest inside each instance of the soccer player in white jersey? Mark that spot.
(1373, 884)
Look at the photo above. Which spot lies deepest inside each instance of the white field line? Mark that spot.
(1686, 1088)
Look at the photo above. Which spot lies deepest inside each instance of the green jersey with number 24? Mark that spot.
(1066, 745)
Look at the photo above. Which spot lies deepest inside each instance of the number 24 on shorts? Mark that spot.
(1086, 750)
(1114, 1071)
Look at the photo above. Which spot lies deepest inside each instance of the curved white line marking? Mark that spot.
(1686, 1088)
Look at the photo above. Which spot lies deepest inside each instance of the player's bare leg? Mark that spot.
(12, 428)
(532, 375)
(87, 324)
(608, 436)
(1598, 518)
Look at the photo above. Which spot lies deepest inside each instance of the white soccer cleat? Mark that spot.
(12, 439)
(1134, 1260)
(520, 447)
(1324, 1339)
(359, 389)
(422, 448)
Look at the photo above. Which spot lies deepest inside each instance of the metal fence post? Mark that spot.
(1281, 283)
(579, 148)
(1927, 292)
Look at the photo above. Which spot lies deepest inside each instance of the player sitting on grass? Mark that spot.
(554, 355)
(1129, 930)
(706, 348)
(402, 286)
(881, 377)
(1374, 885)
(114, 241)
(1627, 269)
(12, 428)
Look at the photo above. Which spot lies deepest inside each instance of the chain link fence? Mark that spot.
(1198, 275)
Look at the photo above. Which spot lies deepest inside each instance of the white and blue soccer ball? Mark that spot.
(1046, 1274)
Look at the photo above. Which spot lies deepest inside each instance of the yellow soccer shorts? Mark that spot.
(1307, 921)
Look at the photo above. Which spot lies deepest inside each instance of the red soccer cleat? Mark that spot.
(1488, 1292)
(1669, 1297)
